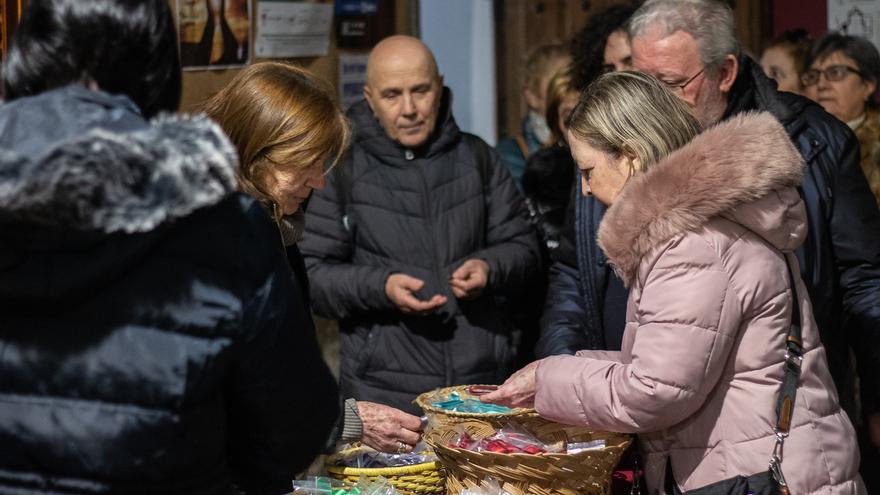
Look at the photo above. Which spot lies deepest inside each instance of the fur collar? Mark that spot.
(736, 162)
(120, 181)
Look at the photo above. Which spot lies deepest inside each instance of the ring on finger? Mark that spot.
(401, 447)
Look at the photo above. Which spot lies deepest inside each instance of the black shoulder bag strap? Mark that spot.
(794, 352)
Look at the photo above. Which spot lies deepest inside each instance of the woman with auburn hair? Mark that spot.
(289, 132)
(721, 362)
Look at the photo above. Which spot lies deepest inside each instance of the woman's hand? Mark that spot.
(518, 391)
(388, 429)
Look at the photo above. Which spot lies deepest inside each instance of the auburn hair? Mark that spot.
(279, 117)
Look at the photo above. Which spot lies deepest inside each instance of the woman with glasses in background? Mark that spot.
(842, 77)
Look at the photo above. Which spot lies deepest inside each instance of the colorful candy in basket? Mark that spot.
(511, 439)
(329, 486)
(455, 402)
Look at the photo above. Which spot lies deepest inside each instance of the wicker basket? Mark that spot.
(587, 472)
(444, 416)
(418, 479)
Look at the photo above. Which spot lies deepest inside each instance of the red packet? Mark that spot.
(477, 390)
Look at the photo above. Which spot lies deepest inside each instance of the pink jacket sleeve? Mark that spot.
(686, 321)
(601, 355)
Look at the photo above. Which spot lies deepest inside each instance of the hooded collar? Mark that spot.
(734, 169)
(754, 91)
(370, 135)
(102, 168)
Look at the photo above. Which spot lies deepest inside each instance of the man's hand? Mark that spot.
(518, 391)
(400, 290)
(470, 279)
(386, 427)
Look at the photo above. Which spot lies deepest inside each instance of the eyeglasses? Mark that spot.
(833, 73)
(681, 87)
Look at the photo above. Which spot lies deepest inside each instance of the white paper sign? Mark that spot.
(855, 18)
(293, 29)
(352, 78)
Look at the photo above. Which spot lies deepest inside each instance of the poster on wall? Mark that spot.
(214, 34)
(357, 23)
(352, 78)
(855, 18)
(293, 28)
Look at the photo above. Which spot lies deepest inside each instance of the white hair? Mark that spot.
(710, 22)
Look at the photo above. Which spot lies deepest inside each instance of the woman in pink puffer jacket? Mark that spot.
(700, 228)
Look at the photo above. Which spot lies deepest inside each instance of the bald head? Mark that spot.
(404, 89)
(400, 53)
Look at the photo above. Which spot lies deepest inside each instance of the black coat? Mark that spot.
(419, 212)
(840, 260)
(152, 339)
(546, 184)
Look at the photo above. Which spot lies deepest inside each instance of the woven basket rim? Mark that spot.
(385, 471)
(330, 464)
(457, 451)
(424, 401)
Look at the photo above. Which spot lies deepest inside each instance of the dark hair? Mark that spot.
(588, 44)
(860, 50)
(126, 47)
(797, 43)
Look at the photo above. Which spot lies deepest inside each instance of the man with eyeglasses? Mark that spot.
(691, 46)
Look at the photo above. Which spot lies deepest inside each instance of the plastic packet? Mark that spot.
(511, 439)
(329, 486)
(365, 457)
(377, 486)
(463, 440)
(516, 436)
(488, 487)
(318, 485)
(456, 403)
(577, 447)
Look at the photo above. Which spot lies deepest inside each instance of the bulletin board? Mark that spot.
(10, 12)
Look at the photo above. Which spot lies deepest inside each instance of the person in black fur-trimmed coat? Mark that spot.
(152, 338)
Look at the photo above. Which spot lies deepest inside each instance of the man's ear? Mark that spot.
(727, 73)
(532, 100)
(870, 89)
(368, 95)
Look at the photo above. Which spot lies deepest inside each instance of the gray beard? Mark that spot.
(292, 227)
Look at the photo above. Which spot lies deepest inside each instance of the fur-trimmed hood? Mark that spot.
(737, 169)
(86, 161)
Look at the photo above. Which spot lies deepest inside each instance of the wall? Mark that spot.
(461, 35)
(201, 85)
(811, 15)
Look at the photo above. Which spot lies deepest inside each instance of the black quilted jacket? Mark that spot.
(421, 212)
(152, 339)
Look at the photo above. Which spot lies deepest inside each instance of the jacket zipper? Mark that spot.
(447, 358)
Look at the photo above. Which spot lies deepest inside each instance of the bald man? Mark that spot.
(418, 239)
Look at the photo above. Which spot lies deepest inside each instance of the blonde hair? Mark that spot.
(542, 60)
(279, 117)
(634, 115)
(560, 86)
